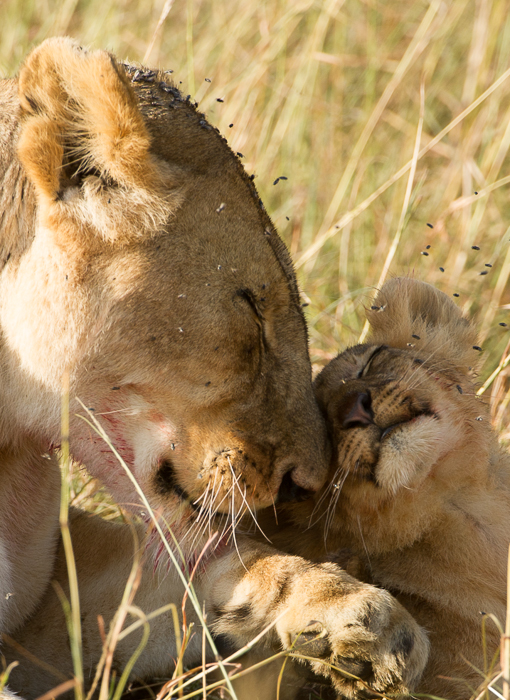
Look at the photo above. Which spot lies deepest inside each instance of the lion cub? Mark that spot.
(419, 490)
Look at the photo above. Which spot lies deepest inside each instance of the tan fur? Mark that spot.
(422, 510)
(137, 258)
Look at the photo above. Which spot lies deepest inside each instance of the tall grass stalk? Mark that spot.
(415, 48)
(505, 641)
(104, 667)
(405, 206)
(6, 672)
(312, 251)
(73, 612)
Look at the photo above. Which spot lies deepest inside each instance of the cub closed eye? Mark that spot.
(366, 367)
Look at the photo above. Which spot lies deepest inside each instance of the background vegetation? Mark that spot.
(389, 121)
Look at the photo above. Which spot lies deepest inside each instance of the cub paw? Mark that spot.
(357, 635)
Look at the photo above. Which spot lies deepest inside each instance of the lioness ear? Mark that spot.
(409, 313)
(85, 146)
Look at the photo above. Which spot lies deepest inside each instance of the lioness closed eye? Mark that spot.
(137, 258)
(418, 497)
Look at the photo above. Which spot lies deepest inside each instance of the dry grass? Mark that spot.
(327, 94)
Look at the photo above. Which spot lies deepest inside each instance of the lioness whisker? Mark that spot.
(243, 496)
(233, 530)
(226, 524)
(203, 495)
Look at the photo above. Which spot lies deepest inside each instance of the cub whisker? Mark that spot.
(325, 492)
(337, 487)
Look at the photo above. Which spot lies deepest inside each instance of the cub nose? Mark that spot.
(290, 491)
(356, 410)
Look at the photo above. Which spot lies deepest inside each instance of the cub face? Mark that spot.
(393, 416)
(403, 417)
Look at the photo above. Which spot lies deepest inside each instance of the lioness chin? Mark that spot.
(418, 497)
(137, 260)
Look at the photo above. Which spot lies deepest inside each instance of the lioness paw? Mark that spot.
(360, 635)
(357, 635)
(85, 145)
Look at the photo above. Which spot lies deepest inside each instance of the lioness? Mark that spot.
(138, 259)
(418, 498)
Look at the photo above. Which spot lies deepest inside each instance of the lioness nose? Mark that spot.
(290, 491)
(356, 410)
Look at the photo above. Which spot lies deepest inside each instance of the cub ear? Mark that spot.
(85, 146)
(407, 313)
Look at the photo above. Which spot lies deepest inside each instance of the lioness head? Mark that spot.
(145, 265)
(403, 415)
